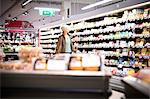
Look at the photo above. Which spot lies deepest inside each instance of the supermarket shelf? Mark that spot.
(128, 20)
(26, 43)
(145, 56)
(103, 23)
(11, 53)
(124, 66)
(45, 38)
(102, 32)
(112, 31)
(57, 33)
(114, 65)
(95, 33)
(48, 47)
(22, 43)
(110, 47)
(45, 43)
(45, 34)
(48, 43)
(111, 65)
(48, 52)
(109, 39)
(49, 38)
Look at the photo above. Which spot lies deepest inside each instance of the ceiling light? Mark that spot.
(26, 2)
(95, 4)
(25, 13)
(44, 8)
(15, 18)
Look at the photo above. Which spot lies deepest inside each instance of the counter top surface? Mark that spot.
(138, 84)
(44, 72)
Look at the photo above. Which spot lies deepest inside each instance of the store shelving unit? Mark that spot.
(123, 37)
(48, 40)
(11, 42)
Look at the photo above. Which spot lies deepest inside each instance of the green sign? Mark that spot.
(47, 12)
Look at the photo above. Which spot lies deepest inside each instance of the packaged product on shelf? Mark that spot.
(145, 31)
(131, 43)
(143, 74)
(123, 44)
(2, 55)
(137, 44)
(143, 51)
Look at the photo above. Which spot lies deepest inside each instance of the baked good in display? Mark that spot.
(86, 62)
(26, 56)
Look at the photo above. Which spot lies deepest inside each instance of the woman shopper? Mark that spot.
(64, 44)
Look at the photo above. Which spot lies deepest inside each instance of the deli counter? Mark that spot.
(55, 84)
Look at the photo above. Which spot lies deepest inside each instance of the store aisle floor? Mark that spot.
(116, 95)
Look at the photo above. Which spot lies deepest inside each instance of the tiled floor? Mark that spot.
(116, 95)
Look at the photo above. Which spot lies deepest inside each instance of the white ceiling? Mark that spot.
(73, 1)
(12, 8)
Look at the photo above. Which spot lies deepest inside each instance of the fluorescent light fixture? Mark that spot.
(26, 2)
(25, 13)
(15, 18)
(44, 8)
(95, 4)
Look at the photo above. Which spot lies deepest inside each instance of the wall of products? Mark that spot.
(122, 37)
(12, 42)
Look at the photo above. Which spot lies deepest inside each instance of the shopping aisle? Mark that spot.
(109, 42)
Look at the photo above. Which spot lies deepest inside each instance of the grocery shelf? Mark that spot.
(48, 52)
(116, 21)
(111, 65)
(45, 38)
(114, 39)
(125, 66)
(48, 47)
(140, 56)
(113, 33)
(13, 53)
(110, 47)
(45, 43)
(17, 42)
(26, 43)
(45, 34)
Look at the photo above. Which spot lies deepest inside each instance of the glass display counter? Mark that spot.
(55, 84)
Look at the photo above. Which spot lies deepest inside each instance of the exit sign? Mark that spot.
(46, 12)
